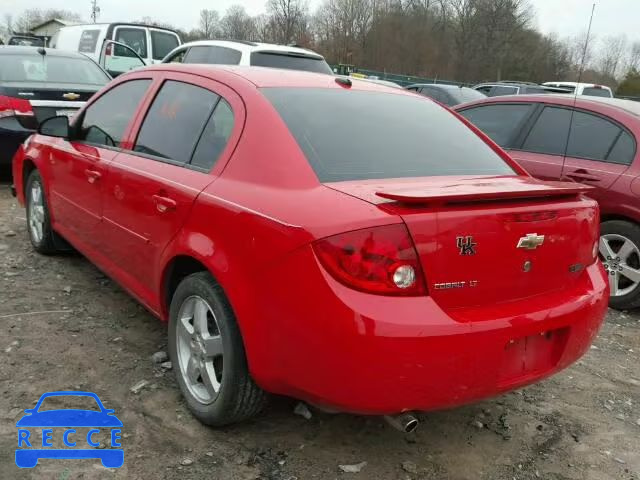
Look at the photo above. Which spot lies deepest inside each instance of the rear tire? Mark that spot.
(620, 253)
(208, 356)
(41, 234)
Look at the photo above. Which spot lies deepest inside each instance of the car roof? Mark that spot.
(444, 86)
(263, 77)
(20, 50)
(576, 84)
(628, 106)
(248, 47)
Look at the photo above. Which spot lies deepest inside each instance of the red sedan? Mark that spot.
(588, 140)
(349, 244)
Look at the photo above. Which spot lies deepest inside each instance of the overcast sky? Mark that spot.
(564, 17)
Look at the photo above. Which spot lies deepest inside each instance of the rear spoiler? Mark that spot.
(483, 191)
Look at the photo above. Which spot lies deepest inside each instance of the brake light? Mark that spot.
(381, 260)
(15, 107)
(109, 49)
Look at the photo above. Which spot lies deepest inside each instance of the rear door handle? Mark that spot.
(585, 177)
(164, 204)
(92, 175)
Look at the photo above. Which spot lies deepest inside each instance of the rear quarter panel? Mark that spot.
(266, 205)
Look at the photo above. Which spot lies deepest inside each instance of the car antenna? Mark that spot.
(575, 93)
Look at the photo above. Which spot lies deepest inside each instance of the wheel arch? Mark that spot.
(176, 269)
(606, 217)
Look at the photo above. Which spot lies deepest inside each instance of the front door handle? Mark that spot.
(92, 175)
(164, 204)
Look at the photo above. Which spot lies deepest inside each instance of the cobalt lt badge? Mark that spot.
(466, 245)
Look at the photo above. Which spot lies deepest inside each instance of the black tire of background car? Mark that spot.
(239, 397)
(632, 232)
(47, 245)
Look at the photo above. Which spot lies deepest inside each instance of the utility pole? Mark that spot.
(95, 10)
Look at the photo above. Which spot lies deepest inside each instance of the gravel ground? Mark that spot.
(64, 325)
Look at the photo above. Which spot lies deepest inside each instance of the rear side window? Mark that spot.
(88, 41)
(175, 121)
(623, 151)
(214, 137)
(105, 121)
(162, 43)
(403, 136)
(437, 95)
(499, 122)
(591, 136)
(290, 62)
(213, 55)
(134, 38)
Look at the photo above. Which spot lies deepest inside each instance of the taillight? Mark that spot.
(380, 260)
(15, 107)
(109, 49)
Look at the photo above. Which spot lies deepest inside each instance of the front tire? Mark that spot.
(41, 234)
(620, 253)
(208, 354)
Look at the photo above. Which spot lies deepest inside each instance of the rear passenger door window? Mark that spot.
(214, 138)
(501, 122)
(162, 43)
(175, 121)
(134, 38)
(213, 55)
(549, 133)
(105, 121)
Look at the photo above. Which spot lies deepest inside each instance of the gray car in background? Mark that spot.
(449, 95)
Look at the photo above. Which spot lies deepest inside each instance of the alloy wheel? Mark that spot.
(199, 349)
(621, 259)
(36, 212)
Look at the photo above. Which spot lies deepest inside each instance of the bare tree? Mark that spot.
(288, 18)
(633, 60)
(237, 24)
(611, 56)
(209, 23)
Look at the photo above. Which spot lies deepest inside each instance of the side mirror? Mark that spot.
(55, 127)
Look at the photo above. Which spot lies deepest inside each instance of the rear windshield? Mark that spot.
(464, 94)
(358, 135)
(51, 69)
(596, 92)
(290, 62)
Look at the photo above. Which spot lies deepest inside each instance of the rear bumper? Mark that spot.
(369, 354)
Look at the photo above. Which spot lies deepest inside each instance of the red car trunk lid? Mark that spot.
(487, 240)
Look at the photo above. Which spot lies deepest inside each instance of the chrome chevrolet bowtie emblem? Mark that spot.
(71, 96)
(531, 241)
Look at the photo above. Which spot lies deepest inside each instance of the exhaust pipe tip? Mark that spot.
(405, 422)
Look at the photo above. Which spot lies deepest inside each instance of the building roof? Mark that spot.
(64, 23)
